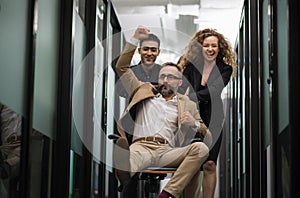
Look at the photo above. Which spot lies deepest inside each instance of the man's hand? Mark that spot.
(141, 32)
(187, 119)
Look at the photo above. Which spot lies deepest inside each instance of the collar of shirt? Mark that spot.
(174, 99)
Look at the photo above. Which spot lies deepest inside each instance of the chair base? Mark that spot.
(151, 179)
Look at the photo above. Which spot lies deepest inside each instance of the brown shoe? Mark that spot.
(121, 160)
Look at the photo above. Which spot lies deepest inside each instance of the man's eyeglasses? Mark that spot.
(169, 77)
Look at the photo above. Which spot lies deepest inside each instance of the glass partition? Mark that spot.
(283, 86)
(110, 95)
(284, 133)
(98, 83)
(266, 94)
(46, 70)
(79, 73)
(14, 53)
(13, 33)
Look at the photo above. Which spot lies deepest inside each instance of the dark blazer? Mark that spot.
(141, 75)
(209, 96)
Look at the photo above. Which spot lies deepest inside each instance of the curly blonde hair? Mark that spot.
(193, 49)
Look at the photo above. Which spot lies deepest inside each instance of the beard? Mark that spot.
(166, 92)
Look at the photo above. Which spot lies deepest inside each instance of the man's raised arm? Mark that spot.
(127, 77)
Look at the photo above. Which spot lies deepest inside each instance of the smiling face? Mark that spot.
(210, 48)
(149, 51)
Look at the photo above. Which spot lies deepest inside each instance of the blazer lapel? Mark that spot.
(180, 110)
(180, 107)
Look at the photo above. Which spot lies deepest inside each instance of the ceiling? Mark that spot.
(175, 21)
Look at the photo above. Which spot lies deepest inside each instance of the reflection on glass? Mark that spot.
(10, 147)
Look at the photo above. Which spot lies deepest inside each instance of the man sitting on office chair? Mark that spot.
(157, 120)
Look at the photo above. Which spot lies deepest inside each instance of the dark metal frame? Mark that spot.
(62, 145)
(102, 169)
(113, 183)
(246, 190)
(25, 173)
(255, 100)
(294, 85)
(85, 183)
(273, 77)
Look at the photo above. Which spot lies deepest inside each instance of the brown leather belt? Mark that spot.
(152, 139)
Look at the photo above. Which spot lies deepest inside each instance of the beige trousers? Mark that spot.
(188, 159)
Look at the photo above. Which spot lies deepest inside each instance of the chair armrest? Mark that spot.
(113, 136)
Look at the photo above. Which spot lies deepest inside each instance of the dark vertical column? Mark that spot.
(273, 77)
(25, 173)
(102, 168)
(255, 117)
(116, 49)
(294, 87)
(85, 188)
(61, 160)
(263, 101)
(246, 78)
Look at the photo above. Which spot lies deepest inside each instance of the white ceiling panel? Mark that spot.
(175, 21)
